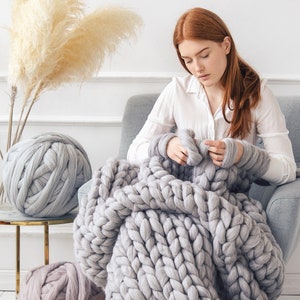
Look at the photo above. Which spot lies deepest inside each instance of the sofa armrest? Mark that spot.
(283, 211)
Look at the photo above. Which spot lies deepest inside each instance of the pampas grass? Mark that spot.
(54, 42)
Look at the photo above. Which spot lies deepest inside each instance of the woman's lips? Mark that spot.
(204, 77)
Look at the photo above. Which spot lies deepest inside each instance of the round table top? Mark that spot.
(13, 217)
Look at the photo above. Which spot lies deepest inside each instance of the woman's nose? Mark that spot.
(199, 67)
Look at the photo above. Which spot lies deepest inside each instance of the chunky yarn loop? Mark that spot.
(60, 280)
(41, 175)
(164, 231)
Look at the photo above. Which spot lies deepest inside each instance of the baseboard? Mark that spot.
(291, 284)
(8, 279)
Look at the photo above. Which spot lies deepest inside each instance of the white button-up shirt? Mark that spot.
(184, 104)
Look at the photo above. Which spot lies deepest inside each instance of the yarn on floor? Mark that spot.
(59, 281)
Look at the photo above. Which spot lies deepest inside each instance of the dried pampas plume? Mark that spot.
(96, 35)
(54, 42)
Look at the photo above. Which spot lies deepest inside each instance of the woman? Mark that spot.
(221, 97)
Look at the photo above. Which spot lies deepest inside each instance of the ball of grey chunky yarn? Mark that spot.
(59, 280)
(41, 175)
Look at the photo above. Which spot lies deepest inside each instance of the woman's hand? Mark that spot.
(216, 150)
(176, 151)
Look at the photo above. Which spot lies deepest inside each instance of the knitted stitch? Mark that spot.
(165, 231)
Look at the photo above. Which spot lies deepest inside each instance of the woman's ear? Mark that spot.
(227, 44)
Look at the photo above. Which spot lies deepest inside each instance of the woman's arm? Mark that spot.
(271, 127)
(160, 120)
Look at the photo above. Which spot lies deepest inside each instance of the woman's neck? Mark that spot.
(215, 96)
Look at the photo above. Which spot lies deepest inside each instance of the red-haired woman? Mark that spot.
(222, 96)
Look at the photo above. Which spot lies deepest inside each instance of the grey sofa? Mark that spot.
(282, 203)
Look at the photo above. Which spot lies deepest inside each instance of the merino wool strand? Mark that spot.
(41, 175)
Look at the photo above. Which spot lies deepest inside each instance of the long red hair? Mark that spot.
(240, 81)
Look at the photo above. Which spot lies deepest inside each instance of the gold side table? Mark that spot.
(10, 217)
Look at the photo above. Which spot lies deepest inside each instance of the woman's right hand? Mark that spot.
(176, 151)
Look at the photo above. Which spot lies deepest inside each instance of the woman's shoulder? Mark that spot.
(268, 104)
(267, 94)
(264, 87)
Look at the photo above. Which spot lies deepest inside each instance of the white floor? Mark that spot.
(12, 296)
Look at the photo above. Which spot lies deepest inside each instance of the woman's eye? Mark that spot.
(204, 55)
(188, 62)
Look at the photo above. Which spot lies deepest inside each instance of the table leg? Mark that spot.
(17, 259)
(46, 243)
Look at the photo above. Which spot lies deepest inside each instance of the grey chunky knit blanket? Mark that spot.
(165, 231)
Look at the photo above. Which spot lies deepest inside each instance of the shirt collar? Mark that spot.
(194, 86)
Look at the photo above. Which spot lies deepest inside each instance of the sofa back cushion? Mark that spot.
(290, 106)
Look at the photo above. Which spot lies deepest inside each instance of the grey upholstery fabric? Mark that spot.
(136, 111)
(281, 203)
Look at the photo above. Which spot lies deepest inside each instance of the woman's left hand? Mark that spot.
(216, 150)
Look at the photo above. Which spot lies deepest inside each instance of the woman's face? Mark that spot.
(206, 60)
